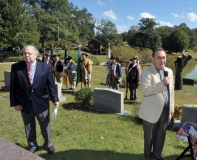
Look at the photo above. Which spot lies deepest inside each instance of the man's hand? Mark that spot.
(18, 108)
(171, 112)
(166, 81)
(56, 104)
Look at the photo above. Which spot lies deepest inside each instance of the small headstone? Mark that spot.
(109, 100)
(10, 151)
(187, 81)
(59, 92)
(7, 81)
(189, 113)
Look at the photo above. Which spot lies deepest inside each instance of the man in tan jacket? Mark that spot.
(157, 107)
(86, 69)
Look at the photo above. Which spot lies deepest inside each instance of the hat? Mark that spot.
(84, 53)
(68, 58)
(114, 57)
(134, 57)
(56, 55)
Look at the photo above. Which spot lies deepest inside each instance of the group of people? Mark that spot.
(68, 68)
(133, 71)
(32, 85)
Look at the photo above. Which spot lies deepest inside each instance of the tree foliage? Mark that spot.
(17, 28)
(147, 36)
(178, 40)
(106, 32)
(60, 23)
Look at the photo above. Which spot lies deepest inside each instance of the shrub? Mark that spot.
(177, 114)
(84, 97)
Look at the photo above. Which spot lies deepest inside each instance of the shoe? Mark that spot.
(33, 149)
(50, 150)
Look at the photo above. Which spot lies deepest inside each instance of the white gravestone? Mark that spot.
(109, 100)
(59, 92)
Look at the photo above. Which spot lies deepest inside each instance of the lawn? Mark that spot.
(88, 135)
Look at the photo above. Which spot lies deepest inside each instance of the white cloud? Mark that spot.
(130, 17)
(146, 15)
(192, 17)
(175, 15)
(121, 28)
(110, 14)
(100, 3)
(162, 23)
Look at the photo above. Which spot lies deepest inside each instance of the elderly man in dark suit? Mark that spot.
(30, 87)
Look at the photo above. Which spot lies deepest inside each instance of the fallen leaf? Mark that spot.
(101, 137)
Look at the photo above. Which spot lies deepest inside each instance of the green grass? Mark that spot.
(87, 135)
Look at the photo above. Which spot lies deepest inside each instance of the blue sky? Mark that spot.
(126, 13)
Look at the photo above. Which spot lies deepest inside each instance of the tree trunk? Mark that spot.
(178, 80)
(180, 63)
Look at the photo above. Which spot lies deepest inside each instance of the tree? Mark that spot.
(180, 63)
(178, 40)
(190, 33)
(51, 17)
(147, 36)
(86, 24)
(107, 33)
(164, 32)
(130, 37)
(147, 24)
(17, 27)
(147, 39)
(193, 39)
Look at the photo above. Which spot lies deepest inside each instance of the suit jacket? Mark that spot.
(34, 97)
(153, 91)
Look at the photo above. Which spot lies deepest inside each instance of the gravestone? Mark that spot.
(10, 151)
(189, 113)
(109, 100)
(187, 81)
(59, 92)
(7, 81)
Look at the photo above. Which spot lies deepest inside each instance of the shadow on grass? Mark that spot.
(77, 154)
(129, 102)
(96, 155)
(73, 105)
(91, 155)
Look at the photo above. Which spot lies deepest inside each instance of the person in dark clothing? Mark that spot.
(57, 68)
(115, 73)
(31, 85)
(133, 77)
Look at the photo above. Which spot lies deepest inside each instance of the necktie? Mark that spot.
(161, 73)
(30, 73)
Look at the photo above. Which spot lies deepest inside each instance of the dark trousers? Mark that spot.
(30, 128)
(133, 90)
(154, 135)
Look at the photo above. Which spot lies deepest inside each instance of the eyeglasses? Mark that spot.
(160, 58)
(29, 54)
